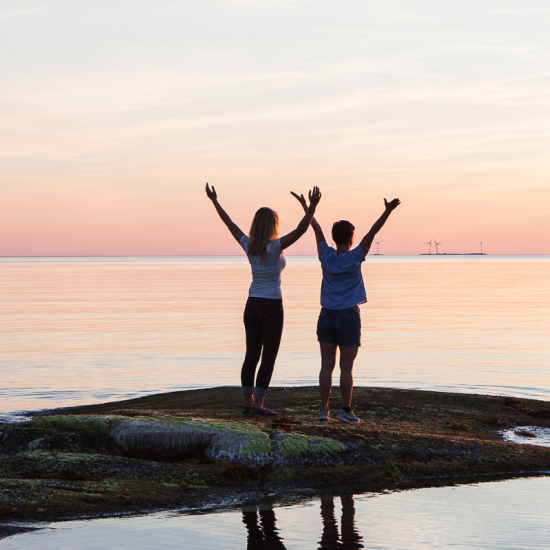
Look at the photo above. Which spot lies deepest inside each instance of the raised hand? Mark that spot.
(300, 199)
(314, 198)
(211, 193)
(392, 205)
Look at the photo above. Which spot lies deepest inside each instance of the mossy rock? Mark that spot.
(171, 438)
(87, 424)
(294, 444)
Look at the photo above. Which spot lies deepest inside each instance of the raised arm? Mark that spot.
(319, 237)
(235, 231)
(366, 243)
(293, 236)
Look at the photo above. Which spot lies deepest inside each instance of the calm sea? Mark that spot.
(84, 330)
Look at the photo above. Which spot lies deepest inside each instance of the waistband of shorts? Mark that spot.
(354, 308)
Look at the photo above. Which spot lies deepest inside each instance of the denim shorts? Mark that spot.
(340, 326)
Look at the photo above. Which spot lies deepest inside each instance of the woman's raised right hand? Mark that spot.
(314, 197)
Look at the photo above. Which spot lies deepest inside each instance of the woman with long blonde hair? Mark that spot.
(263, 314)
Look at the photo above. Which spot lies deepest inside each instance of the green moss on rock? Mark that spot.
(166, 437)
(88, 424)
(258, 445)
(293, 444)
(178, 437)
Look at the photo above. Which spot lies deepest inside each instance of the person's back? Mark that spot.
(266, 271)
(342, 291)
(342, 285)
(263, 315)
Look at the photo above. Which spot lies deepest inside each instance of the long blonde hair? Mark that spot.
(264, 228)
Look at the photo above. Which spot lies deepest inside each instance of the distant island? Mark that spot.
(433, 245)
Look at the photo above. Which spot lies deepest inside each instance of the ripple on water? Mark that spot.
(13, 418)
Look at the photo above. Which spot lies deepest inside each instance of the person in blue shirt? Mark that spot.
(342, 291)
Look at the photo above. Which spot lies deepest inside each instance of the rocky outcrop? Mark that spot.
(170, 439)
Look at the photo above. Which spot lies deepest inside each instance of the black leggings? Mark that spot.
(263, 323)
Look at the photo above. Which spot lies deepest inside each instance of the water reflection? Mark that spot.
(263, 534)
(349, 538)
(502, 515)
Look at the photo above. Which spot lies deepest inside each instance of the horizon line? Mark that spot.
(240, 255)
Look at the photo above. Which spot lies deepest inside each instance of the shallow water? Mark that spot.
(517, 435)
(497, 515)
(83, 330)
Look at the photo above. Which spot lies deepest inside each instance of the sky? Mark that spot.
(114, 115)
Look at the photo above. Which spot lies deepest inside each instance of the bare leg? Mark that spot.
(347, 357)
(328, 361)
(248, 399)
(258, 401)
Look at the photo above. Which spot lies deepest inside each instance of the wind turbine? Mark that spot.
(430, 247)
(436, 244)
(377, 243)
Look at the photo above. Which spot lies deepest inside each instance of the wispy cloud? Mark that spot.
(526, 10)
(21, 13)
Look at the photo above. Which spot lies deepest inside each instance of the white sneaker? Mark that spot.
(350, 418)
(323, 414)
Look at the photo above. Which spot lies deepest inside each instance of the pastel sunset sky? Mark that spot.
(114, 115)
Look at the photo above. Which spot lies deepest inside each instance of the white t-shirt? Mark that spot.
(266, 272)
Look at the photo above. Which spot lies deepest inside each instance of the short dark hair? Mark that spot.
(342, 232)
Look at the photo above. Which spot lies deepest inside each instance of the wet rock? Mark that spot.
(525, 433)
(89, 461)
(511, 402)
(495, 421)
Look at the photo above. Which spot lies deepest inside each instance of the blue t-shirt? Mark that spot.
(342, 286)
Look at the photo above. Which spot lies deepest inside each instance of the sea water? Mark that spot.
(85, 330)
(507, 515)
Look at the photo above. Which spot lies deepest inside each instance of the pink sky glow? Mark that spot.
(114, 119)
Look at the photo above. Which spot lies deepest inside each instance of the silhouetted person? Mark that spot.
(342, 291)
(263, 314)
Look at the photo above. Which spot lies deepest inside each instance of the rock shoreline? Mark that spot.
(156, 452)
